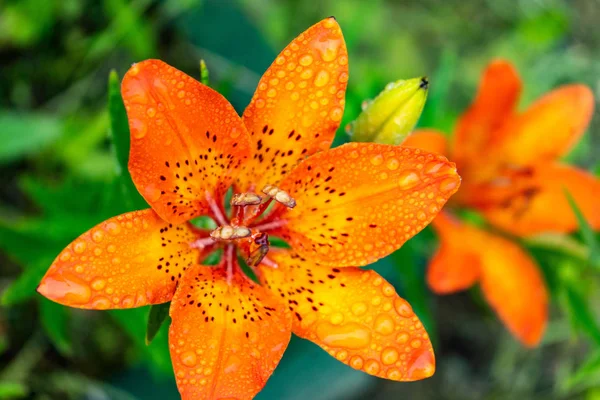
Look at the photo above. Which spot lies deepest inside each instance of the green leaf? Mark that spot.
(582, 315)
(589, 371)
(156, 317)
(413, 285)
(25, 134)
(54, 319)
(204, 75)
(587, 233)
(119, 128)
(12, 390)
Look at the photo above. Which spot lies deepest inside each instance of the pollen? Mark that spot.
(229, 232)
(279, 195)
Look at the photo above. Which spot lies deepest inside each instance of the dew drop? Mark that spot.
(151, 192)
(389, 355)
(328, 50)
(272, 93)
(356, 362)
(359, 309)
(402, 337)
(98, 284)
(337, 318)
(408, 180)
(181, 94)
(101, 303)
(151, 112)
(351, 335)
(79, 247)
(127, 302)
(403, 308)
(372, 367)
(376, 159)
(260, 103)
(392, 164)
(388, 290)
(306, 74)
(394, 374)
(322, 78)
(65, 256)
(111, 248)
(138, 128)
(384, 324)
(188, 358)
(306, 60)
(336, 114)
(113, 228)
(280, 60)
(448, 185)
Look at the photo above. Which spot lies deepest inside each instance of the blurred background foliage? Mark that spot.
(62, 158)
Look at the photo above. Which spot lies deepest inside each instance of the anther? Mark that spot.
(245, 199)
(279, 195)
(228, 232)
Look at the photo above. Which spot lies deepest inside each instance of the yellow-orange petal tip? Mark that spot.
(422, 366)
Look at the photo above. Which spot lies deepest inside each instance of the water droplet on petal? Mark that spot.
(337, 318)
(188, 358)
(306, 60)
(351, 335)
(152, 193)
(392, 164)
(384, 324)
(356, 362)
(322, 78)
(403, 308)
(376, 159)
(448, 185)
(151, 112)
(372, 367)
(138, 128)
(359, 309)
(389, 355)
(408, 180)
(336, 114)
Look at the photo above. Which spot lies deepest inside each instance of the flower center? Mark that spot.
(247, 228)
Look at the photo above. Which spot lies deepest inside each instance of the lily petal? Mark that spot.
(354, 315)
(361, 201)
(298, 104)
(496, 100)
(549, 128)
(131, 260)
(456, 265)
(430, 140)
(532, 200)
(513, 285)
(187, 142)
(225, 339)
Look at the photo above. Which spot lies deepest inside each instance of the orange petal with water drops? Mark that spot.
(298, 104)
(549, 128)
(225, 340)
(187, 141)
(354, 315)
(131, 260)
(430, 140)
(532, 200)
(496, 99)
(456, 264)
(513, 285)
(361, 201)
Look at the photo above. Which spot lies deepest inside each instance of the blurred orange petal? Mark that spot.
(513, 285)
(131, 260)
(361, 201)
(496, 100)
(428, 139)
(457, 263)
(549, 128)
(187, 141)
(533, 201)
(354, 315)
(225, 339)
(298, 104)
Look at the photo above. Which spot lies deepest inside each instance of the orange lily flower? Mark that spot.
(339, 209)
(512, 176)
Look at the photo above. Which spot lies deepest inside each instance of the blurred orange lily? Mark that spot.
(512, 176)
(339, 209)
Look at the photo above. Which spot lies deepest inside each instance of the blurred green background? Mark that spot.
(60, 177)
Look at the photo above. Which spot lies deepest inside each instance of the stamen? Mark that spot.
(228, 232)
(270, 263)
(215, 209)
(245, 199)
(229, 253)
(258, 249)
(279, 195)
(202, 243)
(270, 225)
